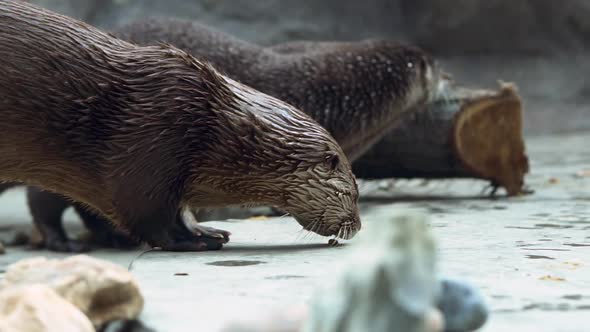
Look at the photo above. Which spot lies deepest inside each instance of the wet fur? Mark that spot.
(356, 90)
(136, 133)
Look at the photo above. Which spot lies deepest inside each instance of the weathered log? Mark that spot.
(473, 134)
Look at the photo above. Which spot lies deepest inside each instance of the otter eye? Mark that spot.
(332, 160)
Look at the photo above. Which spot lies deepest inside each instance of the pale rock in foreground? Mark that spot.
(39, 308)
(388, 284)
(102, 290)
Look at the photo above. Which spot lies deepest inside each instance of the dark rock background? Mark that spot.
(541, 45)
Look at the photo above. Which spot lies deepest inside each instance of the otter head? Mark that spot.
(417, 78)
(266, 152)
(386, 80)
(428, 82)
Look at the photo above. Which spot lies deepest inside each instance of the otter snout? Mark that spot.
(343, 227)
(348, 228)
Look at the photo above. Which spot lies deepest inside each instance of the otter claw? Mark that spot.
(210, 232)
(195, 237)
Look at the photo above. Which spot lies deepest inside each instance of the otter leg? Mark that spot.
(492, 188)
(47, 209)
(102, 233)
(150, 207)
(197, 236)
(179, 237)
(160, 223)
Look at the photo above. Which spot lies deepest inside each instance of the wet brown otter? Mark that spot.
(357, 90)
(139, 133)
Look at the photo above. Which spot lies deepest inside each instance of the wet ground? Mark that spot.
(529, 255)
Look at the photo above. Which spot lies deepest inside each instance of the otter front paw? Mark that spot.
(214, 234)
(197, 238)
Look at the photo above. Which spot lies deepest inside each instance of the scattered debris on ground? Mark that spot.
(102, 290)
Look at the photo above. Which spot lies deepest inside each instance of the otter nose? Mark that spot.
(349, 227)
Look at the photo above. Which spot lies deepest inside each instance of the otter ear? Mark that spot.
(332, 160)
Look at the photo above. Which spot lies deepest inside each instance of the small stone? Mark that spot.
(39, 308)
(333, 242)
(553, 180)
(102, 290)
(2, 249)
(20, 239)
(462, 306)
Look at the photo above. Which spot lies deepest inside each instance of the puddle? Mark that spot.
(577, 244)
(543, 215)
(575, 297)
(525, 245)
(498, 296)
(284, 277)
(538, 257)
(235, 263)
(553, 226)
(437, 210)
(548, 307)
(549, 249)
(574, 219)
(504, 311)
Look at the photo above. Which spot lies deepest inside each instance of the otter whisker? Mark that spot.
(305, 231)
(301, 233)
(315, 226)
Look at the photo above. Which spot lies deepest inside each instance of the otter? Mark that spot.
(139, 133)
(358, 91)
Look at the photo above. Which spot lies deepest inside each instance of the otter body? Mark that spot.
(358, 91)
(139, 133)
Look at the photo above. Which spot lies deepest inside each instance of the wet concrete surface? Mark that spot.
(529, 255)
